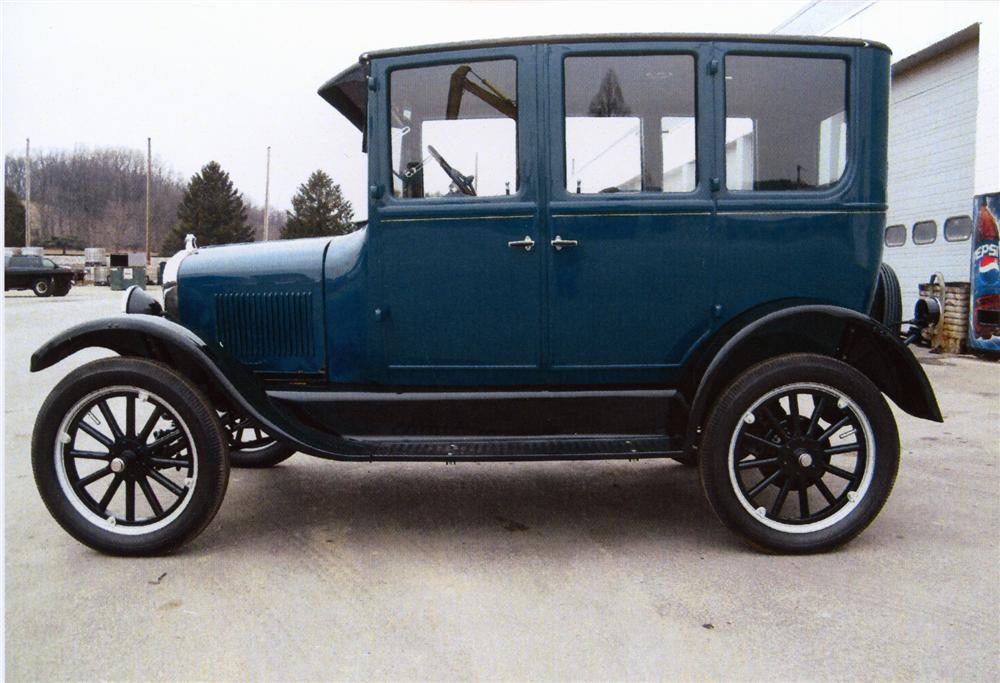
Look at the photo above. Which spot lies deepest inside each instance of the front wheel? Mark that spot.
(250, 446)
(129, 457)
(799, 454)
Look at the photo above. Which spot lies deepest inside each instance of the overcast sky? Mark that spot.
(223, 81)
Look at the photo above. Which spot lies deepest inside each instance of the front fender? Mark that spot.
(219, 375)
(833, 331)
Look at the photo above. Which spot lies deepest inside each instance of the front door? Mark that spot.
(630, 216)
(456, 229)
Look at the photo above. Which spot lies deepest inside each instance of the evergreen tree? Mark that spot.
(318, 209)
(13, 218)
(609, 100)
(212, 209)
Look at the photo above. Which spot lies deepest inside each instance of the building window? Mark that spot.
(454, 130)
(958, 228)
(895, 235)
(786, 122)
(924, 232)
(630, 124)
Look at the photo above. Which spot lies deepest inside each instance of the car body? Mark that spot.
(620, 240)
(37, 273)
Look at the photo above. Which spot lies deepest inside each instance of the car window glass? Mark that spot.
(454, 130)
(48, 263)
(629, 123)
(18, 262)
(786, 122)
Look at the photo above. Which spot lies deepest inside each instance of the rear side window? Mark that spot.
(924, 232)
(630, 124)
(786, 122)
(958, 228)
(20, 262)
(454, 129)
(895, 235)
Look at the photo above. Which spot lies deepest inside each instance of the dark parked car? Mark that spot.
(577, 248)
(37, 273)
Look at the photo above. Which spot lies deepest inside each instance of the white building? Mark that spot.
(944, 121)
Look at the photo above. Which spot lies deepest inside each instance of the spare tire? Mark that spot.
(887, 306)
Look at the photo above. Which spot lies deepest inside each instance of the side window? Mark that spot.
(895, 235)
(630, 124)
(786, 122)
(19, 262)
(958, 228)
(48, 263)
(454, 129)
(924, 232)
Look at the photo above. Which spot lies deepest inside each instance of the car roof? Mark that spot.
(346, 91)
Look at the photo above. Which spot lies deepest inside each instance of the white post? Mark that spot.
(149, 194)
(27, 192)
(267, 197)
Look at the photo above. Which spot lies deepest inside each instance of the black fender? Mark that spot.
(840, 333)
(214, 370)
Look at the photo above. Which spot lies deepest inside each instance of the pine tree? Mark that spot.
(212, 209)
(13, 218)
(319, 209)
(609, 100)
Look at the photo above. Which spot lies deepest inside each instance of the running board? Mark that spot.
(507, 449)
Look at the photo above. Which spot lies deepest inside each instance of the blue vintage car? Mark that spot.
(592, 247)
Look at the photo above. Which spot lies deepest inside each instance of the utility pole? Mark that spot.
(27, 192)
(267, 197)
(149, 194)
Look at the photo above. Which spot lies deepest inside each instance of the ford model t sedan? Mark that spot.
(591, 247)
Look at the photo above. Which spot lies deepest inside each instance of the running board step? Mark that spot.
(510, 449)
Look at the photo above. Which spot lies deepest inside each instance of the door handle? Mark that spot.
(559, 243)
(527, 243)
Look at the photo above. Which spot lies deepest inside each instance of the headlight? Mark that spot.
(138, 302)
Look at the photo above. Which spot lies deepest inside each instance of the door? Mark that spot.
(456, 233)
(629, 249)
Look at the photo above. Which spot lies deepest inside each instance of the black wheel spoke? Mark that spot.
(169, 462)
(116, 431)
(89, 455)
(151, 498)
(92, 477)
(842, 422)
(780, 500)
(150, 423)
(846, 448)
(759, 462)
(773, 421)
(97, 435)
(762, 484)
(166, 483)
(793, 414)
(762, 442)
(830, 498)
(817, 412)
(109, 494)
(843, 474)
(803, 503)
(130, 415)
(170, 436)
(130, 501)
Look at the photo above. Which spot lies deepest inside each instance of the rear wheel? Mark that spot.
(42, 287)
(129, 457)
(799, 454)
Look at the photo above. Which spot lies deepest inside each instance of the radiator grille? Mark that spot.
(255, 325)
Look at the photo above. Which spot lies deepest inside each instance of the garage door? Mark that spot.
(932, 134)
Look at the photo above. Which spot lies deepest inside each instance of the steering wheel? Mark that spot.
(462, 182)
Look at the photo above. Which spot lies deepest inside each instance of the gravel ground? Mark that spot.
(322, 570)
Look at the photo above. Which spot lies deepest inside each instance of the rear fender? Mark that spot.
(832, 331)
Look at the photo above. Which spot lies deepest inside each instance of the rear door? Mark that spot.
(629, 248)
(455, 220)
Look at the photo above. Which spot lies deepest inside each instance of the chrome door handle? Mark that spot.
(559, 243)
(527, 243)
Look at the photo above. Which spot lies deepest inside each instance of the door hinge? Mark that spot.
(375, 191)
(717, 311)
(713, 66)
(372, 84)
(715, 184)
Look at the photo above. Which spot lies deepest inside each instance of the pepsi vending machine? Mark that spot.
(984, 280)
